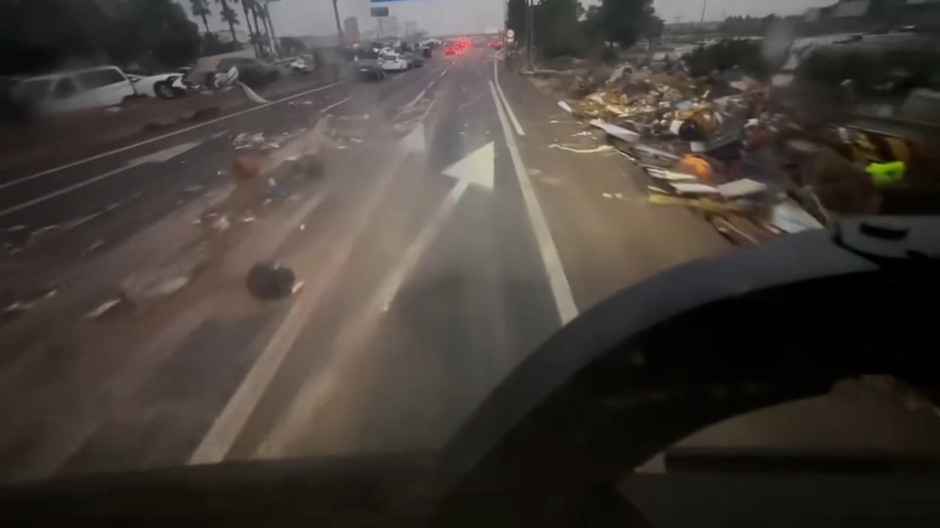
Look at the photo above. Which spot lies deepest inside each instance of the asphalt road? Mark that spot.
(446, 242)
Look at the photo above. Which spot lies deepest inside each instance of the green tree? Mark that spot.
(229, 16)
(151, 34)
(557, 28)
(200, 9)
(515, 18)
(625, 21)
(292, 46)
(38, 35)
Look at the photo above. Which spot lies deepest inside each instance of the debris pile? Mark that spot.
(723, 146)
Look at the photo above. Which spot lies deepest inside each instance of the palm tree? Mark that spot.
(229, 15)
(200, 9)
(266, 15)
(252, 33)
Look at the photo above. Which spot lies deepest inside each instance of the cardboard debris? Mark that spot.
(694, 188)
(792, 218)
(740, 188)
(595, 150)
(728, 146)
(618, 132)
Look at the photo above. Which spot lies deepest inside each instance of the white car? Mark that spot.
(394, 62)
(164, 85)
(295, 64)
(75, 90)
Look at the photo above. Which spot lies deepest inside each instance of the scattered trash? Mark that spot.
(618, 132)
(251, 95)
(20, 307)
(221, 223)
(154, 284)
(193, 188)
(792, 218)
(595, 150)
(566, 107)
(245, 140)
(247, 219)
(271, 281)
(303, 227)
(103, 308)
(740, 188)
(92, 248)
(694, 188)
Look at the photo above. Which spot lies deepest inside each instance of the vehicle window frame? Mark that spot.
(64, 81)
(89, 80)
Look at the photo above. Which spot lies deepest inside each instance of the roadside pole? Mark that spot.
(529, 28)
(339, 29)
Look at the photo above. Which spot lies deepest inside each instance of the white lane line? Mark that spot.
(164, 136)
(417, 98)
(561, 289)
(512, 116)
(334, 105)
(348, 348)
(65, 190)
(219, 134)
(230, 422)
(157, 157)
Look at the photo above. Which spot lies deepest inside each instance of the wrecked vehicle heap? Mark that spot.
(731, 148)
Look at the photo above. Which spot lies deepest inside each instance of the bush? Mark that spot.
(746, 55)
(890, 73)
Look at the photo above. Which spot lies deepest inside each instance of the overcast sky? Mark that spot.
(315, 17)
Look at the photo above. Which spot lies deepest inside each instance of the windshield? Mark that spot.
(342, 258)
(33, 91)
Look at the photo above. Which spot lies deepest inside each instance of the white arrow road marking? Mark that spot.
(349, 345)
(157, 157)
(478, 167)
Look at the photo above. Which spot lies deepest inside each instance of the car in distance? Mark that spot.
(369, 69)
(74, 90)
(415, 60)
(296, 65)
(252, 72)
(394, 62)
(162, 85)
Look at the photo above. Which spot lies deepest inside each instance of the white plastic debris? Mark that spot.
(742, 187)
(251, 95)
(792, 218)
(595, 150)
(103, 308)
(92, 248)
(694, 188)
(221, 223)
(616, 131)
(566, 107)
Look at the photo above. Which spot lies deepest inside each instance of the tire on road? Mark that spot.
(164, 90)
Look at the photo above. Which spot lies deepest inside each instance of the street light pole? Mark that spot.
(529, 29)
(339, 28)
